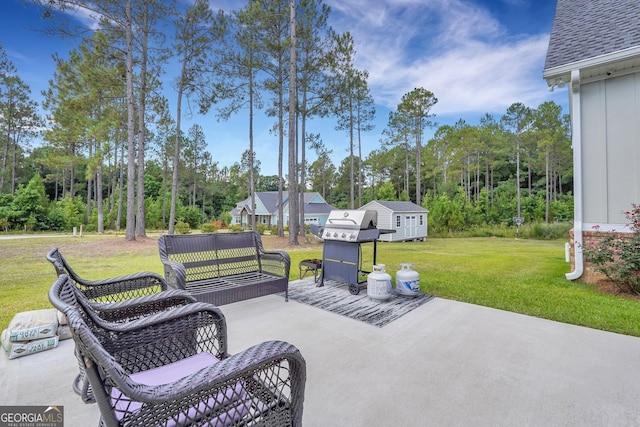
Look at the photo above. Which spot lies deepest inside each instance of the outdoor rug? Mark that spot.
(335, 297)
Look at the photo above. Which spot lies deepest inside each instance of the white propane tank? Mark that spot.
(379, 283)
(407, 280)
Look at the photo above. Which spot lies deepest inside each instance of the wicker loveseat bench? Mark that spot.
(221, 268)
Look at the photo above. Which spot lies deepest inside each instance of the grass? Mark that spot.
(523, 276)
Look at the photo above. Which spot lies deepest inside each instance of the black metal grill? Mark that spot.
(343, 236)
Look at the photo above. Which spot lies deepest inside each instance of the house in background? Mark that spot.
(316, 209)
(594, 49)
(407, 219)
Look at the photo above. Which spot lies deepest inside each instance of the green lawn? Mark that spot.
(524, 276)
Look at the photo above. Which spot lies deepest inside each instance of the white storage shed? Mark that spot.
(406, 218)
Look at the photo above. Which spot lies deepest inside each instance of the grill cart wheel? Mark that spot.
(354, 289)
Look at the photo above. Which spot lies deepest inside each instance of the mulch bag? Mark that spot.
(33, 325)
(30, 332)
(17, 349)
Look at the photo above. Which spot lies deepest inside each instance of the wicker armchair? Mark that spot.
(172, 368)
(118, 299)
(113, 289)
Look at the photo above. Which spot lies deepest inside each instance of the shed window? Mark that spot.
(421, 220)
(397, 220)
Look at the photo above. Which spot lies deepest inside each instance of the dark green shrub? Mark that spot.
(191, 215)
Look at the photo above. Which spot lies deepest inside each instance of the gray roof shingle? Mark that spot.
(270, 201)
(584, 29)
(400, 206)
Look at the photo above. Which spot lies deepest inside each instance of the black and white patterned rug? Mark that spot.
(335, 297)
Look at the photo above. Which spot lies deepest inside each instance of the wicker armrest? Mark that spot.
(127, 310)
(276, 262)
(111, 289)
(253, 384)
(175, 274)
(121, 288)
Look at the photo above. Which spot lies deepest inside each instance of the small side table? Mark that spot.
(313, 264)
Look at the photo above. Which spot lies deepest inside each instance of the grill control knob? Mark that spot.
(352, 236)
(335, 234)
(328, 234)
(344, 235)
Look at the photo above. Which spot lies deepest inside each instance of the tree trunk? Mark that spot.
(360, 174)
(252, 178)
(131, 149)
(293, 176)
(5, 156)
(89, 188)
(280, 156)
(120, 190)
(176, 160)
(547, 183)
(303, 166)
(418, 167)
(140, 223)
(351, 156)
(99, 205)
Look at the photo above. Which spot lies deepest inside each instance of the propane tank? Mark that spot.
(407, 280)
(379, 283)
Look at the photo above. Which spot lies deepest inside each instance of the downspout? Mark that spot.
(576, 141)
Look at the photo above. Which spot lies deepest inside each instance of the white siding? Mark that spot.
(409, 228)
(384, 219)
(611, 148)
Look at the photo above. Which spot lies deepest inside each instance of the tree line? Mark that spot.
(115, 155)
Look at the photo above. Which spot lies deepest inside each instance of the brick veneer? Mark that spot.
(589, 274)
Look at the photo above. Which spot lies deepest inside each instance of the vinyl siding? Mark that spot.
(611, 148)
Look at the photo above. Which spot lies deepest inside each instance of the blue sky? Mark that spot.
(476, 56)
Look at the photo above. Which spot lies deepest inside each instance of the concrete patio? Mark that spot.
(444, 364)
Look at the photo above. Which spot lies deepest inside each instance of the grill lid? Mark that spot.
(352, 219)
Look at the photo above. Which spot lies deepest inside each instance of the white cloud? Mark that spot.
(87, 16)
(454, 48)
(475, 78)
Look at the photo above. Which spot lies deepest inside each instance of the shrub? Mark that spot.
(70, 209)
(219, 224)
(190, 214)
(182, 228)
(209, 227)
(236, 227)
(261, 228)
(542, 231)
(226, 218)
(617, 255)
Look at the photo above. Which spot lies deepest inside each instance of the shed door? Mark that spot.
(411, 226)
